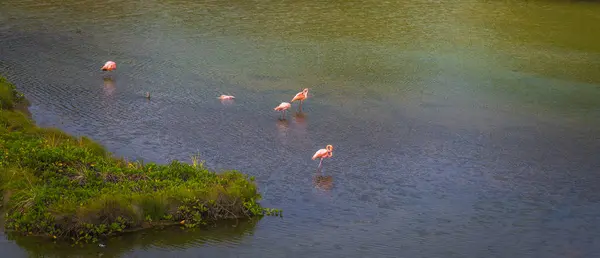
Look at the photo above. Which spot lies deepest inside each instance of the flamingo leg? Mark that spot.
(320, 163)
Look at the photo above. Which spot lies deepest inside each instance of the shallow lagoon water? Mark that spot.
(460, 129)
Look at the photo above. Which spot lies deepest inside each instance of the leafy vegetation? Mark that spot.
(64, 187)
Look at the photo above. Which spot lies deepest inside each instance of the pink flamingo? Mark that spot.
(109, 66)
(283, 107)
(226, 97)
(323, 153)
(301, 96)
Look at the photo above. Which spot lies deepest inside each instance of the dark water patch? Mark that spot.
(222, 234)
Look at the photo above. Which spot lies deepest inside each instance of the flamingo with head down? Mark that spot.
(109, 66)
(226, 97)
(282, 108)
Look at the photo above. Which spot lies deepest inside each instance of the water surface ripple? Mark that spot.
(460, 129)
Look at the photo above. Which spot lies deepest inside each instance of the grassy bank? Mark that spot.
(59, 186)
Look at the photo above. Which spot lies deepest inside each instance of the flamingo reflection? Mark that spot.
(282, 128)
(109, 86)
(323, 182)
(300, 118)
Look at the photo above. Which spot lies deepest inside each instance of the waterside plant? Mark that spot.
(66, 187)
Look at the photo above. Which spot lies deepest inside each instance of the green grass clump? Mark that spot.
(60, 186)
(9, 94)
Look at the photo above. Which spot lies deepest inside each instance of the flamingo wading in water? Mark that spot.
(301, 96)
(109, 66)
(283, 107)
(323, 153)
